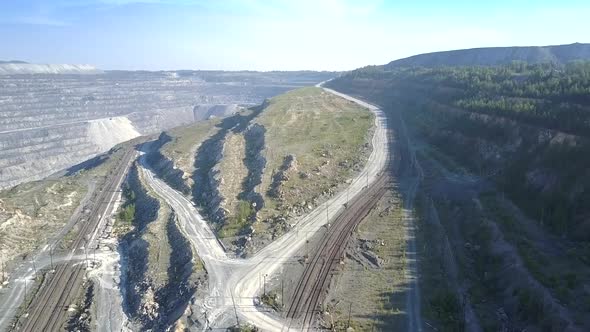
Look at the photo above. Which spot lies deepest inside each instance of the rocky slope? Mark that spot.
(167, 170)
(210, 189)
(32, 213)
(314, 142)
(173, 157)
(249, 201)
(160, 275)
(255, 162)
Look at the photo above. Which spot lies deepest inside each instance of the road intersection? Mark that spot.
(234, 283)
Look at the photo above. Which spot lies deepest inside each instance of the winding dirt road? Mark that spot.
(234, 283)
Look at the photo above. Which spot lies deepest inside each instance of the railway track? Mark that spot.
(315, 279)
(48, 310)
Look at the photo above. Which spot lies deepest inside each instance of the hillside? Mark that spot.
(257, 170)
(504, 151)
(313, 140)
(51, 122)
(492, 56)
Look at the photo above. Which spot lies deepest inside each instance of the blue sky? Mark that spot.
(273, 35)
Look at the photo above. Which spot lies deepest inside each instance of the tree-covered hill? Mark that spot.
(528, 124)
(505, 197)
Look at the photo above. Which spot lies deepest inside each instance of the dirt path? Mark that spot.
(234, 283)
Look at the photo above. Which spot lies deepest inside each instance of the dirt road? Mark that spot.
(234, 283)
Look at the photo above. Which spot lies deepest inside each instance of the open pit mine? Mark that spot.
(52, 119)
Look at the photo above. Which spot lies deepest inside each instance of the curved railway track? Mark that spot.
(312, 285)
(48, 309)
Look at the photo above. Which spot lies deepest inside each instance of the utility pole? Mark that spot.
(306, 242)
(25, 295)
(347, 195)
(367, 178)
(34, 266)
(282, 294)
(86, 253)
(349, 312)
(235, 309)
(327, 214)
(51, 257)
(264, 285)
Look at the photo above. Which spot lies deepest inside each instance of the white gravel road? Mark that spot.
(234, 283)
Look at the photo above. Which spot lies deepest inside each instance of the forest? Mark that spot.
(524, 126)
(549, 95)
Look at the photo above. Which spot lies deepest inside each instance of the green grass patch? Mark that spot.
(327, 135)
(236, 224)
(184, 139)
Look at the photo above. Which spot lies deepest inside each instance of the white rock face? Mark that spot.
(106, 133)
(33, 154)
(30, 68)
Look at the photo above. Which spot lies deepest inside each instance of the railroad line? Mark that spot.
(315, 279)
(48, 310)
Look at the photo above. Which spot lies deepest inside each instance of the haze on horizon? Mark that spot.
(277, 35)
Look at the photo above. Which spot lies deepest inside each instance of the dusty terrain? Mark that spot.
(32, 214)
(233, 171)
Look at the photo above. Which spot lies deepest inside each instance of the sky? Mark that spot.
(274, 34)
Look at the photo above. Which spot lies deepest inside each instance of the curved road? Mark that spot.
(234, 283)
